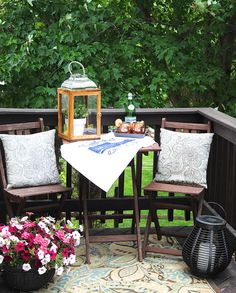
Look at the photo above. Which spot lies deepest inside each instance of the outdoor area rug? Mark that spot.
(114, 268)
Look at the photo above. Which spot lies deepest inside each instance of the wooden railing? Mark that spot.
(222, 161)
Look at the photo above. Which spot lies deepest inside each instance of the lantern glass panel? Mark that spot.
(64, 113)
(85, 113)
(92, 117)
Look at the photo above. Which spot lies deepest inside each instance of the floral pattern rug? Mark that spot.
(114, 269)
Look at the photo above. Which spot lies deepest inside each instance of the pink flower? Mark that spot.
(25, 255)
(52, 255)
(7, 259)
(12, 229)
(40, 240)
(65, 252)
(5, 250)
(26, 235)
(29, 213)
(29, 225)
(39, 244)
(19, 246)
(60, 234)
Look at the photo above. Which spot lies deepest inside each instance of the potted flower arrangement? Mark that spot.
(31, 251)
(80, 115)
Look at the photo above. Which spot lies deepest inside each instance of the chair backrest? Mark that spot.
(186, 127)
(16, 129)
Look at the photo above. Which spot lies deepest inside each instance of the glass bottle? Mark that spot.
(130, 110)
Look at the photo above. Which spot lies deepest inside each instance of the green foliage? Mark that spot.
(80, 111)
(177, 53)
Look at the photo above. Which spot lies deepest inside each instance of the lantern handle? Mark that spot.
(75, 62)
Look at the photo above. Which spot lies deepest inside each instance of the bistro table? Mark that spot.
(102, 162)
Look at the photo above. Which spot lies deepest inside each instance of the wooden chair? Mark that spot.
(20, 200)
(191, 200)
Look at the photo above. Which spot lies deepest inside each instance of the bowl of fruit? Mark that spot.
(131, 129)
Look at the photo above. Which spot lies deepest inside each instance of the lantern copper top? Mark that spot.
(76, 80)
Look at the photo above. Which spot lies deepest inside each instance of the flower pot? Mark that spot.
(78, 126)
(20, 280)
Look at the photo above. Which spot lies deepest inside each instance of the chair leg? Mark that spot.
(61, 204)
(154, 216)
(8, 206)
(170, 211)
(196, 205)
(20, 207)
(146, 233)
(187, 213)
(200, 203)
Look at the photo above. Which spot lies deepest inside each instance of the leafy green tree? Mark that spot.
(176, 53)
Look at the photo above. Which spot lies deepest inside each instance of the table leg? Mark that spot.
(68, 184)
(136, 211)
(85, 217)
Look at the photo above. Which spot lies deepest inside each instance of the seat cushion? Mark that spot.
(30, 159)
(183, 157)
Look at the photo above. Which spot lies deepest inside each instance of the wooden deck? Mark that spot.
(224, 282)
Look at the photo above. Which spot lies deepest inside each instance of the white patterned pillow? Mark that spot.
(183, 157)
(30, 159)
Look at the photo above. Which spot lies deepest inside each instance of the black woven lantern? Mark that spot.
(207, 250)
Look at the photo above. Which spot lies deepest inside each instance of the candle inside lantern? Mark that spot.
(206, 256)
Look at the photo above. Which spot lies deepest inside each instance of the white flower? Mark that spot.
(69, 223)
(26, 267)
(46, 230)
(47, 257)
(46, 221)
(77, 242)
(76, 235)
(81, 228)
(44, 261)
(59, 271)
(72, 258)
(51, 219)
(1, 258)
(66, 261)
(14, 238)
(53, 248)
(24, 219)
(42, 225)
(42, 270)
(2, 242)
(14, 221)
(5, 231)
(40, 254)
(18, 226)
(8, 243)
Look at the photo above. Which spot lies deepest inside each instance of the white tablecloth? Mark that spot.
(102, 161)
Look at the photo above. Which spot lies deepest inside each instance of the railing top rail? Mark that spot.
(223, 124)
(218, 117)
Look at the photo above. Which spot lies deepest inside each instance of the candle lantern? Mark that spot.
(79, 107)
(207, 250)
